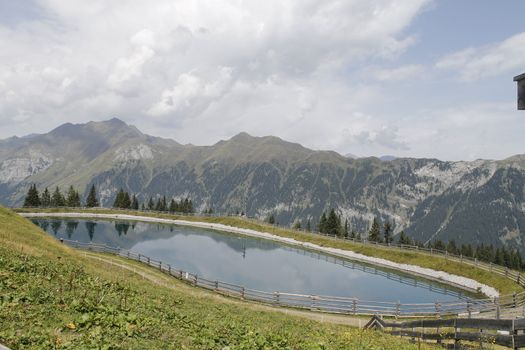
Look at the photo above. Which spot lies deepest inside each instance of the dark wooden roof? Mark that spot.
(519, 77)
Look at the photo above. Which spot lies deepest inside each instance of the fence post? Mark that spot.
(242, 293)
(518, 278)
(498, 311)
(169, 269)
(139, 257)
(514, 299)
(354, 306)
(128, 254)
(398, 309)
(160, 265)
(276, 298)
(148, 260)
(469, 310)
(438, 310)
(506, 272)
(216, 286)
(195, 281)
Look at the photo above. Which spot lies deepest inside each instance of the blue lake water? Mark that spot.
(254, 263)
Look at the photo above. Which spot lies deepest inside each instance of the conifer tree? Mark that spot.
(373, 234)
(404, 239)
(297, 224)
(73, 198)
(345, 231)
(58, 200)
(308, 226)
(387, 230)
(92, 200)
(45, 200)
(32, 198)
(322, 226)
(333, 223)
(126, 201)
(151, 205)
(134, 203)
(119, 199)
(271, 219)
(173, 207)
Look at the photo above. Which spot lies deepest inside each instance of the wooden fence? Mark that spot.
(331, 304)
(508, 333)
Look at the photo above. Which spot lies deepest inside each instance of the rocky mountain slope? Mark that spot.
(474, 202)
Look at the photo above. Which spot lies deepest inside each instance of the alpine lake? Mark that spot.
(254, 263)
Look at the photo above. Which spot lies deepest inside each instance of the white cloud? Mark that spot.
(191, 94)
(199, 71)
(477, 63)
(399, 73)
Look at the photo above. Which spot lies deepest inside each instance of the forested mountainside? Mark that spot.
(473, 202)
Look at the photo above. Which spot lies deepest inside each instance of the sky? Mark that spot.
(410, 78)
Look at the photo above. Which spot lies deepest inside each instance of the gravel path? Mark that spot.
(441, 276)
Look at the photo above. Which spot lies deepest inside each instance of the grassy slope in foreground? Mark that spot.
(52, 296)
(502, 284)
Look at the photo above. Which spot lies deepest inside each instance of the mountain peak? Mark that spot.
(242, 136)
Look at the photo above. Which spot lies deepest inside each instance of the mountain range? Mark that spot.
(478, 201)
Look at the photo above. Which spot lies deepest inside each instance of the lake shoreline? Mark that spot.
(426, 273)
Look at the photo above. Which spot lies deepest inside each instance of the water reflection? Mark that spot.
(254, 263)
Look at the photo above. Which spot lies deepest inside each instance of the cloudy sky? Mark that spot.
(369, 77)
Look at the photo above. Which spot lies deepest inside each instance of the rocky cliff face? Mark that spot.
(480, 201)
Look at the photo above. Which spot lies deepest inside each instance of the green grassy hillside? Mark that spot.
(53, 297)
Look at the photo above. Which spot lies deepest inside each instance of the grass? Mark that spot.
(501, 283)
(54, 297)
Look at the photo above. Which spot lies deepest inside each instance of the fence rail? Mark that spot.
(508, 333)
(331, 304)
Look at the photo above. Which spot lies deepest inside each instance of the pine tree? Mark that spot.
(333, 223)
(373, 234)
(58, 200)
(345, 231)
(126, 201)
(387, 229)
(92, 200)
(119, 199)
(151, 205)
(297, 224)
(173, 207)
(32, 198)
(271, 219)
(322, 226)
(134, 203)
(404, 239)
(308, 226)
(73, 198)
(45, 200)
